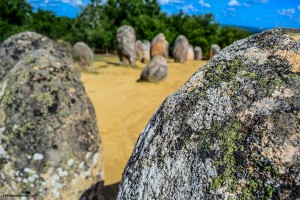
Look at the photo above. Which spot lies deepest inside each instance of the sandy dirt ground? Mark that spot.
(124, 107)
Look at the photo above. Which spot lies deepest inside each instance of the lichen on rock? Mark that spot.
(231, 132)
(14, 47)
(49, 137)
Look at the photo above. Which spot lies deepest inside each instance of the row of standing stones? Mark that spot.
(49, 141)
(232, 131)
(156, 52)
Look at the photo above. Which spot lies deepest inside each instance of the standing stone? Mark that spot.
(143, 50)
(190, 54)
(198, 53)
(159, 46)
(156, 70)
(126, 44)
(83, 56)
(231, 132)
(214, 49)
(49, 140)
(181, 47)
(13, 49)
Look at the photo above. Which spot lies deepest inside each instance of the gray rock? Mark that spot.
(198, 53)
(83, 56)
(181, 47)
(190, 54)
(159, 46)
(214, 49)
(13, 49)
(49, 140)
(232, 131)
(156, 70)
(143, 50)
(126, 39)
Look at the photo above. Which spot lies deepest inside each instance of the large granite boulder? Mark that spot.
(214, 49)
(126, 40)
(231, 132)
(49, 140)
(13, 49)
(159, 46)
(198, 53)
(181, 47)
(190, 54)
(143, 50)
(156, 70)
(83, 56)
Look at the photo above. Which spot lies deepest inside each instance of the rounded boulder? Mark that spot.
(126, 44)
(160, 46)
(83, 56)
(181, 47)
(49, 139)
(156, 70)
(232, 131)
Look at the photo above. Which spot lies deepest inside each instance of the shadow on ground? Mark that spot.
(100, 192)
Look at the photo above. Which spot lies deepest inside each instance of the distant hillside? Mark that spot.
(250, 29)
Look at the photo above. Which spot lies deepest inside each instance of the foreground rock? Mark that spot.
(159, 46)
(198, 53)
(83, 56)
(181, 47)
(143, 50)
(214, 49)
(156, 70)
(126, 40)
(49, 140)
(13, 49)
(190, 54)
(232, 131)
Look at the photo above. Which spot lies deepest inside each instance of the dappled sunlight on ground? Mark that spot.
(124, 107)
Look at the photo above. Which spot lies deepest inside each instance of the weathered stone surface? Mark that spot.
(49, 140)
(159, 46)
(13, 49)
(190, 54)
(143, 50)
(214, 49)
(126, 39)
(181, 47)
(156, 70)
(83, 56)
(232, 131)
(198, 53)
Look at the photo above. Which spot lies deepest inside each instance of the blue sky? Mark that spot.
(253, 13)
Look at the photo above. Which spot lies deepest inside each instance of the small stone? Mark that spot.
(28, 170)
(38, 156)
(70, 162)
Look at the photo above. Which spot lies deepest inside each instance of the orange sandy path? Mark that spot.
(124, 107)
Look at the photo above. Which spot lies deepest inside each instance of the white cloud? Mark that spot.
(298, 7)
(246, 4)
(189, 8)
(261, 1)
(287, 12)
(77, 2)
(203, 4)
(233, 3)
(164, 2)
(231, 9)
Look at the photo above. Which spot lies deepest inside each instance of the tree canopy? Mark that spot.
(97, 23)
